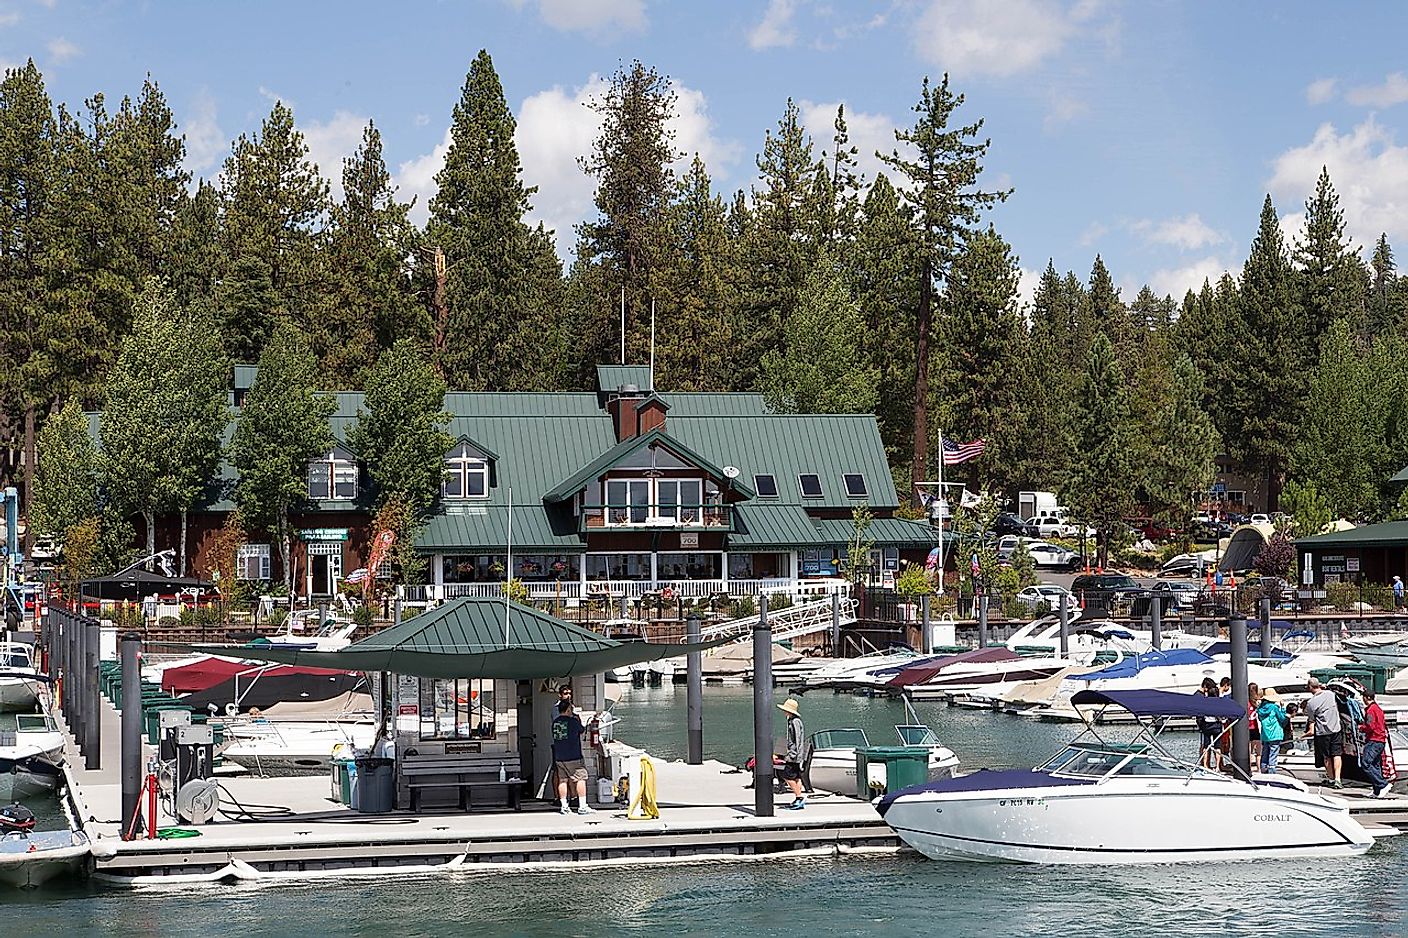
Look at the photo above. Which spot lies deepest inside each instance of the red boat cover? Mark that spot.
(203, 675)
(922, 673)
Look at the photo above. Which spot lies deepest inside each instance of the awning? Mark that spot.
(138, 584)
(1162, 703)
(465, 638)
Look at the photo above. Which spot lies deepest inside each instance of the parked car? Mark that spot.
(1209, 531)
(1259, 518)
(1052, 557)
(1008, 523)
(1050, 594)
(1058, 526)
(1191, 565)
(46, 548)
(1152, 529)
(1182, 594)
(1103, 592)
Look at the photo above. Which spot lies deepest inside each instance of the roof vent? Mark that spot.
(628, 390)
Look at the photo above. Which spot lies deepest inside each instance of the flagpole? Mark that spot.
(941, 513)
(508, 568)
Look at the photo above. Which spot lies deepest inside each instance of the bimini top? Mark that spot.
(1133, 664)
(1162, 703)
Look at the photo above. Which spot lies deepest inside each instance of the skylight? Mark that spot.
(810, 484)
(765, 484)
(855, 485)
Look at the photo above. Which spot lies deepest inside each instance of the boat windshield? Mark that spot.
(917, 735)
(1099, 760)
(32, 723)
(840, 739)
(17, 658)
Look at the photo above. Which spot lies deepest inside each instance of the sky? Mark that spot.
(1147, 132)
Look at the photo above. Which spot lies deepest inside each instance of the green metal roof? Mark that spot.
(701, 404)
(610, 378)
(1400, 477)
(573, 484)
(760, 525)
(486, 526)
(885, 532)
(1387, 534)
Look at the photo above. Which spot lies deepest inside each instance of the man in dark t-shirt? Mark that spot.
(567, 756)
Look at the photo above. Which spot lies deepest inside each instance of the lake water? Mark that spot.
(1367, 896)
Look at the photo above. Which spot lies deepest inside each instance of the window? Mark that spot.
(472, 568)
(457, 709)
(765, 485)
(627, 500)
(810, 484)
(855, 485)
(692, 566)
(253, 562)
(756, 566)
(652, 500)
(681, 499)
(466, 475)
(333, 477)
(618, 566)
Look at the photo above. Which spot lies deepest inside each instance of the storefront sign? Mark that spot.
(1351, 565)
(689, 540)
(408, 710)
(456, 748)
(323, 534)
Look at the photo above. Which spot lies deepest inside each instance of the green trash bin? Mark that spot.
(343, 770)
(1374, 677)
(881, 770)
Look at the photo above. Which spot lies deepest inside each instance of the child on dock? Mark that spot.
(796, 745)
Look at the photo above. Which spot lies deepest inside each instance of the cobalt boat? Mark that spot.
(1098, 802)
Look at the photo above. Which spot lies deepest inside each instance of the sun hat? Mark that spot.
(1271, 695)
(789, 706)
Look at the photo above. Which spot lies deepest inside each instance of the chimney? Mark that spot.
(622, 406)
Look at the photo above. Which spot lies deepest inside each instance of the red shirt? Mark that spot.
(1375, 730)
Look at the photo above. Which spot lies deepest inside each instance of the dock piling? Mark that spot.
(1156, 621)
(762, 712)
(836, 624)
(694, 694)
(131, 734)
(1241, 734)
(926, 638)
(92, 698)
(983, 621)
(1266, 628)
(1065, 623)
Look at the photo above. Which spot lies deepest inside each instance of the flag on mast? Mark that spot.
(955, 452)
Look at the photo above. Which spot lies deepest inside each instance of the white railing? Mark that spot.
(806, 618)
(576, 591)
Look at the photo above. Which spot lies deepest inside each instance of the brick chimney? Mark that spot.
(622, 406)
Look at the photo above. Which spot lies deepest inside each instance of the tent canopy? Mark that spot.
(465, 638)
(138, 584)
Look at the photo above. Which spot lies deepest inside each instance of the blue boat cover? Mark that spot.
(1133, 664)
(985, 780)
(1162, 703)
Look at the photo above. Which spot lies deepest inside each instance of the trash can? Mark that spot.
(1374, 677)
(376, 785)
(342, 772)
(881, 770)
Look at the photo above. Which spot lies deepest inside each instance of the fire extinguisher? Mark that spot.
(594, 734)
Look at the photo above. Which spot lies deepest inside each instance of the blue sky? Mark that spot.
(1148, 132)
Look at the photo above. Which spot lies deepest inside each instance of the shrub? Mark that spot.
(362, 615)
(1342, 596)
(277, 617)
(516, 591)
(913, 581)
(1016, 609)
(1378, 595)
(1043, 608)
(744, 607)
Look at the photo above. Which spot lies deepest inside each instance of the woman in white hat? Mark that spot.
(796, 747)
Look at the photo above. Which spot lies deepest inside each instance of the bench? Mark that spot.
(465, 772)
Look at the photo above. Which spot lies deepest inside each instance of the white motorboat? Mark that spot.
(1094, 635)
(1386, 648)
(847, 672)
(1097, 802)
(301, 630)
(19, 678)
(30, 755)
(970, 671)
(832, 766)
(293, 746)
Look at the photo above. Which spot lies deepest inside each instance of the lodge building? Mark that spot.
(619, 492)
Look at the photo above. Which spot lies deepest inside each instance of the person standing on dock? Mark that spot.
(1275, 727)
(796, 746)
(1323, 713)
(1397, 592)
(567, 757)
(1371, 754)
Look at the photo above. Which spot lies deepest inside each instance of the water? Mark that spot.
(1366, 896)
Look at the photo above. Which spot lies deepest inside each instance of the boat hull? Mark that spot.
(1174, 821)
(18, 694)
(26, 870)
(835, 769)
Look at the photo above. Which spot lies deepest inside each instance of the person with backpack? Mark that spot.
(1274, 726)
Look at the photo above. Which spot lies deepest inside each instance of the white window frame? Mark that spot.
(248, 552)
(776, 492)
(633, 513)
(339, 469)
(846, 484)
(461, 464)
(801, 489)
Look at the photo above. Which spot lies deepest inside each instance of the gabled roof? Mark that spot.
(658, 437)
(478, 447)
(610, 378)
(1387, 534)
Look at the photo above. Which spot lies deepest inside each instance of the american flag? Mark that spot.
(955, 452)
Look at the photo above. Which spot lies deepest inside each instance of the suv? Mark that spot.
(1008, 523)
(1102, 592)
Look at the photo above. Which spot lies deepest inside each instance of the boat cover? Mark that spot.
(1162, 703)
(986, 780)
(1133, 664)
(930, 668)
(200, 675)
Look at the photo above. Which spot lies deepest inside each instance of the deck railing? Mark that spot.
(576, 590)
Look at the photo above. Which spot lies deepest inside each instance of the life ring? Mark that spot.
(667, 594)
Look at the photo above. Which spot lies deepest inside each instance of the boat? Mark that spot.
(31, 755)
(334, 633)
(832, 763)
(846, 672)
(1099, 802)
(969, 671)
(293, 746)
(1386, 648)
(19, 678)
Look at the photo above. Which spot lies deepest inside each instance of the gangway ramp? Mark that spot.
(795, 621)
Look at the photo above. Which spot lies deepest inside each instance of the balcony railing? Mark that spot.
(576, 591)
(710, 516)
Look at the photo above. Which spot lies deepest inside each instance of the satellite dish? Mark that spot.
(730, 472)
(197, 801)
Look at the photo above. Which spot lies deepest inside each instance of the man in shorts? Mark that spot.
(796, 746)
(1323, 713)
(567, 757)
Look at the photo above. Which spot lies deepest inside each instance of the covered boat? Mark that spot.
(1099, 802)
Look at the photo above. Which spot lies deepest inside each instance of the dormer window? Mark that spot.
(332, 477)
(466, 474)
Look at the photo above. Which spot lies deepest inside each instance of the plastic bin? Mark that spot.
(881, 770)
(376, 785)
(342, 774)
(1372, 676)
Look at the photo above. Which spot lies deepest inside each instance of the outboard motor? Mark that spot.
(16, 818)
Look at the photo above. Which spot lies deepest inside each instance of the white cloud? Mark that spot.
(1177, 281)
(61, 50)
(416, 177)
(1027, 282)
(868, 133)
(49, 4)
(273, 97)
(1393, 90)
(421, 120)
(598, 18)
(1370, 172)
(1188, 233)
(977, 37)
(1063, 109)
(332, 141)
(205, 141)
(776, 27)
(1093, 232)
(9, 18)
(1319, 92)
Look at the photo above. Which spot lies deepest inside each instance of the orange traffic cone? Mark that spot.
(1232, 580)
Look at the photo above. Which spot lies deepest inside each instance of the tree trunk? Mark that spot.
(181, 568)
(919, 463)
(150, 518)
(27, 505)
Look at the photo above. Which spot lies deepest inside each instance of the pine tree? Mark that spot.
(142, 185)
(66, 479)
(1180, 446)
(1333, 282)
(400, 435)
(1269, 357)
(1041, 456)
(947, 203)
(1385, 309)
(817, 370)
(499, 325)
(631, 161)
(197, 261)
(249, 307)
(369, 303)
(275, 201)
(282, 426)
(1109, 313)
(837, 187)
(1104, 470)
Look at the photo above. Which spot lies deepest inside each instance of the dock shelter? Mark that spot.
(477, 677)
